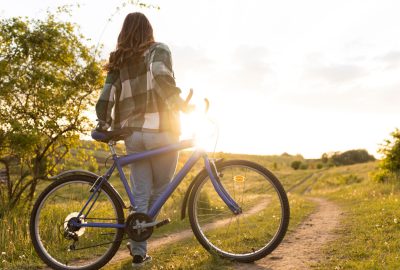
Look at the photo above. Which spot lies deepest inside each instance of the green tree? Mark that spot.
(390, 164)
(324, 158)
(352, 157)
(47, 77)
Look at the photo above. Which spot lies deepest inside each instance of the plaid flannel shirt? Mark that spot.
(142, 95)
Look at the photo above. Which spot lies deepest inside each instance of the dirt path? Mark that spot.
(303, 247)
(154, 244)
(176, 237)
(299, 250)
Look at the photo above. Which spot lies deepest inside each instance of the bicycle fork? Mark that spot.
(212, 171)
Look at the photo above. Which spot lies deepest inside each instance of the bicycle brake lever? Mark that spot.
(207, 104)
(189, 96)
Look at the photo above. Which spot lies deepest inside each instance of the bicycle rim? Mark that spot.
(94, 246)
(261, 226)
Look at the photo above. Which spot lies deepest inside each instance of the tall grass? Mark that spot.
(16, 250)
(370, 234)
(15, 243)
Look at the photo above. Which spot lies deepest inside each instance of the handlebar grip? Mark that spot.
(189, 96)
(207, 104)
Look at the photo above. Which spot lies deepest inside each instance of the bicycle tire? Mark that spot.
(43, 242)
(250, 236)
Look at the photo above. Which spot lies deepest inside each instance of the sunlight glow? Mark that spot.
(299, 87)
(200, 127)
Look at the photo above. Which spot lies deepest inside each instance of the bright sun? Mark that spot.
(201, 128)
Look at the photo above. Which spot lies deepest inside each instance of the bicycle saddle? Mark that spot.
(114, 135)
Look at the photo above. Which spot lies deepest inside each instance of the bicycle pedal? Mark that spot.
(164, 222)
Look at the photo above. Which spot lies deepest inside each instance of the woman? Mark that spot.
(140, 88)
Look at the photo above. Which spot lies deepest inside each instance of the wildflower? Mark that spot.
(395, 220)
(3, 253)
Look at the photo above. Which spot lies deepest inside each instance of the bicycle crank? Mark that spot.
(140, 226)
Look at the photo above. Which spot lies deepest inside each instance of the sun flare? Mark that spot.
(201, 128)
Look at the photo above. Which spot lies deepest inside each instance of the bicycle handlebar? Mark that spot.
(207, 104)
(189, 97)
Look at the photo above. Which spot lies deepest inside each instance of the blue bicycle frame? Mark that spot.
(120, 161)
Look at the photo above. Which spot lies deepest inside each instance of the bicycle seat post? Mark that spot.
(111, 144)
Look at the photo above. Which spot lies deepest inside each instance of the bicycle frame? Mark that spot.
(120, 161)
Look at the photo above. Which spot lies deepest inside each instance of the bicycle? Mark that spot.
(237, 209)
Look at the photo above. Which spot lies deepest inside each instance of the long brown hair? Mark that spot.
(135, 38)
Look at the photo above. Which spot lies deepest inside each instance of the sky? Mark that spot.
(302, 77)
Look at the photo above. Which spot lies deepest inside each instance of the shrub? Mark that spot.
(381, 176)
(303, 166)
(391, 152)
(275, 166)
(296, 164)
(390, 165)
(351, 179)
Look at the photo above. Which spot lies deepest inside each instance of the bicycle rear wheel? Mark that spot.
(254, 233)
(84, 248)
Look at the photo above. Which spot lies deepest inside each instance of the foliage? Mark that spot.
(275, 166)
(390, 164)
(382, 176)
(351, 157)
(324, 158)
(47, 76)
(296, 164)
(349, 179)
(391, 152)
(303, 166)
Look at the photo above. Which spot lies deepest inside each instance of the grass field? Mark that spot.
(189, 254)
(368, 239)
(15, 244)
(370, 235)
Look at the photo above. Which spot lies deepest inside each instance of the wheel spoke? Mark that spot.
(257, 230)
(59, 242)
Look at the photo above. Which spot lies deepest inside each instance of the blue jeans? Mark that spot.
(150, 177)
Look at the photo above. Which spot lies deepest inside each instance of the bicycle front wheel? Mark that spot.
(63, 247)
(254, 233)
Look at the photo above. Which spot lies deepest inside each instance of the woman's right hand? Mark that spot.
(188, 108)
